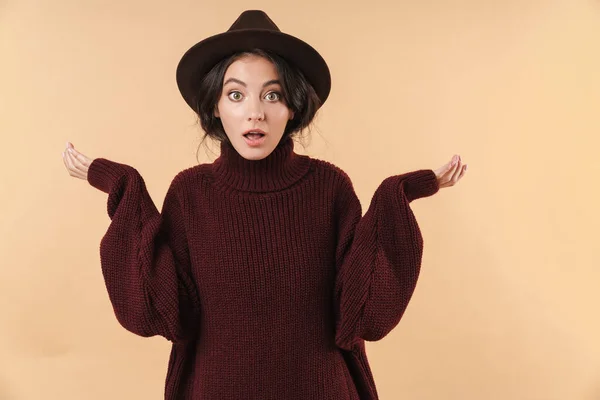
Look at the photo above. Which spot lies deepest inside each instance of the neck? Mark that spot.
(279, 170)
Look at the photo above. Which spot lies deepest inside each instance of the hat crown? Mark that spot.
(251, 30)
(254, 19)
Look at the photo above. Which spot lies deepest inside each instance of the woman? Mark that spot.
(260, 268)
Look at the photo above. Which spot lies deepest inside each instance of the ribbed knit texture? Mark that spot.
(264, 274)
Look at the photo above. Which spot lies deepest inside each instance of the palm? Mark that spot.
(77, 164)
(450, 173)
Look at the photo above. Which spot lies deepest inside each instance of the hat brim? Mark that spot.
(202, 57)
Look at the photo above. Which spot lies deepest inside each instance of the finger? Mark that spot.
(448, 175)
(81, 161)
(450, 165)
(67, 159)
(76, 163)
(72, 169)
(86, 161)
(457, 171)
(462, 172)
(446, 168)
(64, 158)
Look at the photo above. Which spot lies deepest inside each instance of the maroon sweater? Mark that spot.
(264, 275)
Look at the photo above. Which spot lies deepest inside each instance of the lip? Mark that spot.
(254, 130)
(255, 142)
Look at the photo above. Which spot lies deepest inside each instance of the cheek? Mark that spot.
(280, 114)
(230, 112)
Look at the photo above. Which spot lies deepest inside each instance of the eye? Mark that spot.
(276, 95)
(236, 98)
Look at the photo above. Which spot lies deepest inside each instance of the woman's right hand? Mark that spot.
(77, 164)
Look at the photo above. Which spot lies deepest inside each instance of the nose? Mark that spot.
(255, 111)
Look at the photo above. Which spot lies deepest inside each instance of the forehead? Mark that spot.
(251, 68)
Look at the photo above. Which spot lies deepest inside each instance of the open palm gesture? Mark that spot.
(449, 174)
(77, 164)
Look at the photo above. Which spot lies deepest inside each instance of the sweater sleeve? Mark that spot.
(378, 256)
(144, 255)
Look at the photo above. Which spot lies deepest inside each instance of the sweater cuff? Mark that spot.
(421, 183)
(103, 173)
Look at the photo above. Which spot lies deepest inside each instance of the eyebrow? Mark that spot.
(272, 81)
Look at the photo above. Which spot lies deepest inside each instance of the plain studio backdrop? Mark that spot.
(507, 305)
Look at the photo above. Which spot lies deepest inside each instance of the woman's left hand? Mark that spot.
(449, 174)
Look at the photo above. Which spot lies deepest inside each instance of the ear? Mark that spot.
(291, 115)
(216, 112)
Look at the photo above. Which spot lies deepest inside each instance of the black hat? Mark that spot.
(252, 29)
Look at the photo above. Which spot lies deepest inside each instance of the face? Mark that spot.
(252, 100)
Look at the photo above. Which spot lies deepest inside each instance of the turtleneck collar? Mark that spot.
(279, 170)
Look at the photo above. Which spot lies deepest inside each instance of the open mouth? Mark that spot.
(254, 135)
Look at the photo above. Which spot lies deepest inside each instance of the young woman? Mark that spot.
(260, 268)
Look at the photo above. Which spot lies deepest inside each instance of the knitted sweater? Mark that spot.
(264, 275)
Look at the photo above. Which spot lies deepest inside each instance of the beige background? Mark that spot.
(507, 303)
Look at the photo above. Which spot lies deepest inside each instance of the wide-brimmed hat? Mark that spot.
(252, 29)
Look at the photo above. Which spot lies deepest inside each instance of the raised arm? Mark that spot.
(378, 256)
(144, 255)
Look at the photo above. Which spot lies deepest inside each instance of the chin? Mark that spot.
(254, 154)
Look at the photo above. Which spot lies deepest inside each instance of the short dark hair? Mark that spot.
(298, 94)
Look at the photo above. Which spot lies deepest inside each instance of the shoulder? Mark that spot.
(195, 172)
(188, 178)
(345, 199)
(340, 179)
